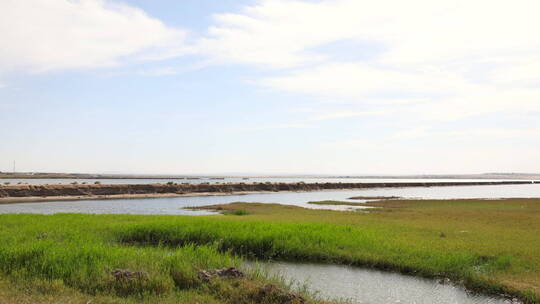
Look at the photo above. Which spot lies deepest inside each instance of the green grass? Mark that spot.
(69, 254)
(490, 246)
(226, 210)
(374, 197)
(47, 292)
(238, 212)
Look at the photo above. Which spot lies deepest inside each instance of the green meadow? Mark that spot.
(488, 246)
(71, 258)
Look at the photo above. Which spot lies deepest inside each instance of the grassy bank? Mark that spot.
(44, 259)
(492, 246)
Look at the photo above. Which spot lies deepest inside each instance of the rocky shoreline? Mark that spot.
(20, 193)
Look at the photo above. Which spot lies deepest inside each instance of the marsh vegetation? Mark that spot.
(489, 246)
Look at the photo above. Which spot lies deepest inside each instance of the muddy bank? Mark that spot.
(85, 191)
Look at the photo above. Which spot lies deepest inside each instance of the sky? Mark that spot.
(270, 86)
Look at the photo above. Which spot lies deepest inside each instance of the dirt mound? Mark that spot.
(231, 272)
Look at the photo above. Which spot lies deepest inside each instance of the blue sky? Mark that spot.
(270, 87)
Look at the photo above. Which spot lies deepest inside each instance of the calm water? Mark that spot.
(176, 205)
(366, 286)
(234, 180)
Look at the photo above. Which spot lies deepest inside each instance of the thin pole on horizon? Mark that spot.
(13, 166)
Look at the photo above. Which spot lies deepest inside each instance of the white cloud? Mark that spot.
(293, 125)
(435, 95)
(172, 70)
(163, 71)
(353, 79)
(344, 114)
(413, 133)
(448, 60)
(283, 33)
(489, 135)
(424, 150)
(43, 35)
(482, 101)
(267, 34)
(435, 60)
(521, 73)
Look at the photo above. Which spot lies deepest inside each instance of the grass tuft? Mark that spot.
(236, 212)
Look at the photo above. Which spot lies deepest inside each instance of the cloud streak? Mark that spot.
(283, 33)
(460, 58)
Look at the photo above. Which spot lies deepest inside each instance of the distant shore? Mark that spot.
(98, 176)
(63, 192)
